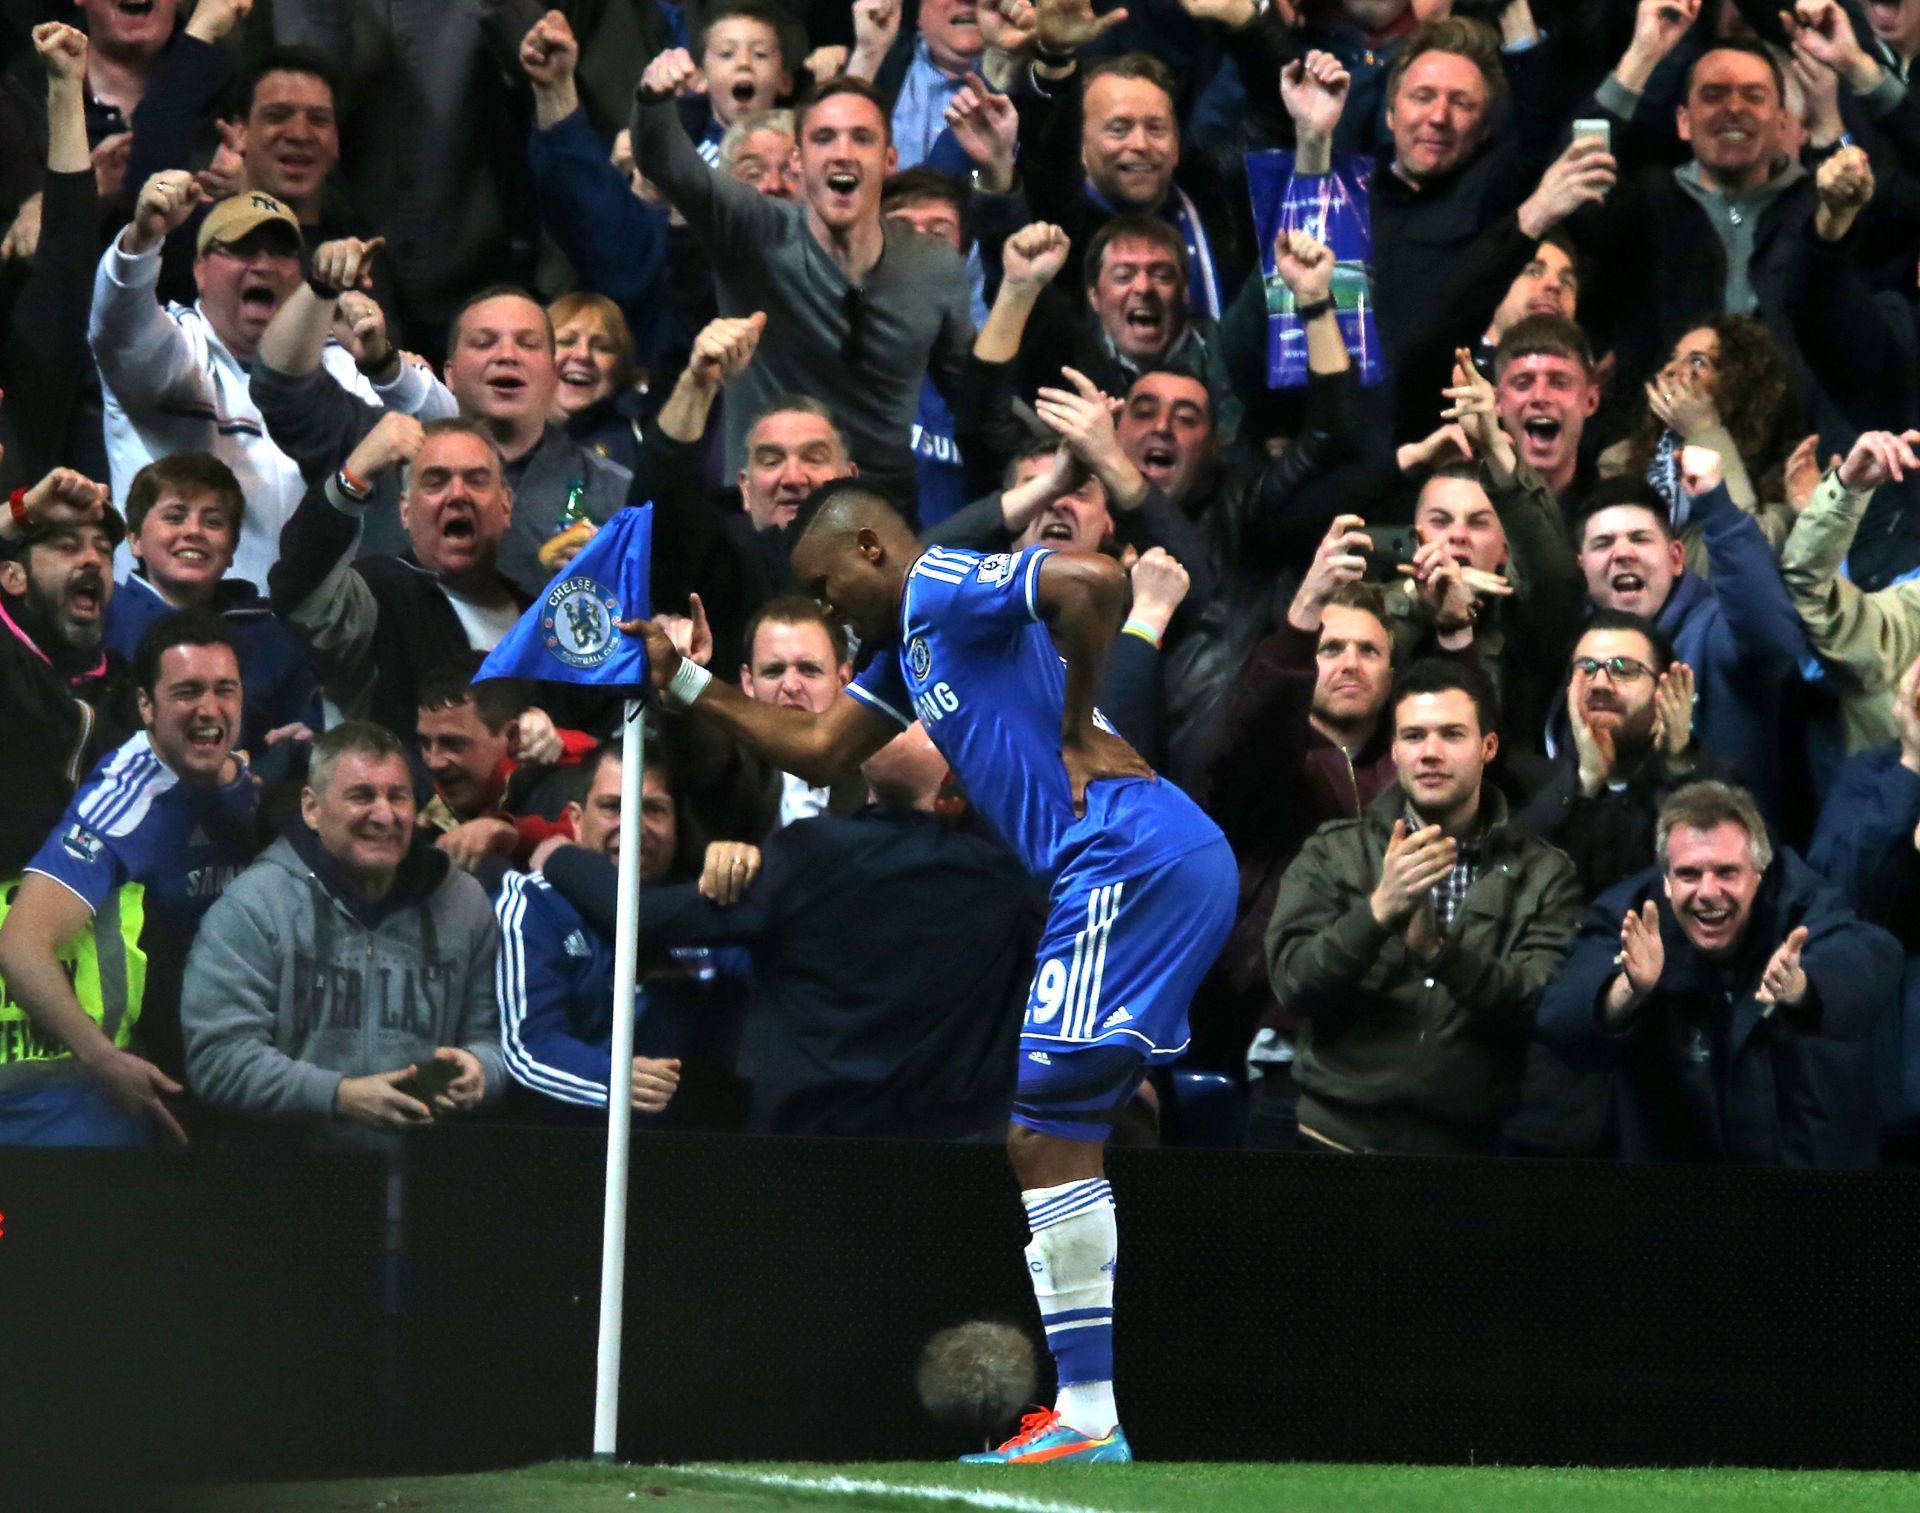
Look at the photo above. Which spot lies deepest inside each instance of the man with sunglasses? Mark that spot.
(859, 311)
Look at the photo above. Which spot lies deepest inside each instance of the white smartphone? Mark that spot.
(1595, 126)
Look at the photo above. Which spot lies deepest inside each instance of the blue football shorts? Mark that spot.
(1117, 966)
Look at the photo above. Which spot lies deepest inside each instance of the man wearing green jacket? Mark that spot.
(1413, 942)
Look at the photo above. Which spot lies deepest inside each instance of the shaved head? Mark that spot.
(843, 508)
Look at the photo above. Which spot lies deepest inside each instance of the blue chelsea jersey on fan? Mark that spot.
(976, 665)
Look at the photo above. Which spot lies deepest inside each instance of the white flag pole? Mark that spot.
(626, 953)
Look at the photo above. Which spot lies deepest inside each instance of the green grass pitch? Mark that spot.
(1164, 1487)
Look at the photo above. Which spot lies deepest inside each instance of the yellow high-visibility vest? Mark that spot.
(109, 982)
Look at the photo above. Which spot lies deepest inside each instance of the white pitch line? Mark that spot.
(962, 1497)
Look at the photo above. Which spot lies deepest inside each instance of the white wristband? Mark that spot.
(687, 684)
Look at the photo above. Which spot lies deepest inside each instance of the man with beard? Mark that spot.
(175, 379)
(1738, 632)
(1735, 994)
(379, 624)
(95, 936)
(68, 700)
(1413, 942)
(857, 312)
(1543, 372)
(1630, 707)
(1304, 744)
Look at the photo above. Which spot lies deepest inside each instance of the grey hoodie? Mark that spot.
(289, 990)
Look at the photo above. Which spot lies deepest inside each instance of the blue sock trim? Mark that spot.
(1084, 1354)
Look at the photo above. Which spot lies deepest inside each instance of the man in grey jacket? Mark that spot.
(346, 977)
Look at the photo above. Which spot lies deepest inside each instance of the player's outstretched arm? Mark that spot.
(822, 748)
(1082, 598)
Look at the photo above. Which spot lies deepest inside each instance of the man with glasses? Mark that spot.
(1738, 632)
(858, 311)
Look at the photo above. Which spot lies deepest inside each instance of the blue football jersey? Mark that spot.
(135, 824)
(975, 664)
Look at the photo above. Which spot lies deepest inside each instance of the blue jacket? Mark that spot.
(1743, 641)
(1864, 847)
(554, 980)
(276, 673)
(616, 241)
(1707, 1073)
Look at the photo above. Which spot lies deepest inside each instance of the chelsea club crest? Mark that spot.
(919, 659)
(577, 622)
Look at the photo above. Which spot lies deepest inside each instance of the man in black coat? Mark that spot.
(1736, 994)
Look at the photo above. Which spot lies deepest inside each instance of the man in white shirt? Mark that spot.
(174, 379)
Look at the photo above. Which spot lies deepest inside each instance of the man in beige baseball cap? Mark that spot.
(237, 217)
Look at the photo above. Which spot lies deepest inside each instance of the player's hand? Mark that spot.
(540, 741)
(135, 1086)
(1305, 266)
(167, 201)
(692, 637)
(376, 1102)
(729, 870)
(394, 439)
(473, 842)
(468, 1087)
(655, 1080)
(1414, 864)
(1097, 755)
(663, 657)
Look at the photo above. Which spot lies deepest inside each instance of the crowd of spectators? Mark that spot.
(1505, 412)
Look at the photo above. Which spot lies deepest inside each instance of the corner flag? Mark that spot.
(569, 634)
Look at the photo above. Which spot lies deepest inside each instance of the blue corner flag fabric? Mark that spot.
(569, 634)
